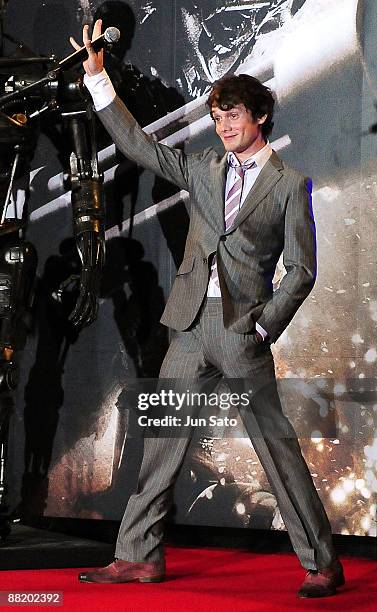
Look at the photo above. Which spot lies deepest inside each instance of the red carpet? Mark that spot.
(203, 580)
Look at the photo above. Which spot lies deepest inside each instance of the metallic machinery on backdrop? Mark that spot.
(32, 90)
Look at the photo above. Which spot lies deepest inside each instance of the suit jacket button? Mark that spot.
(205, 260)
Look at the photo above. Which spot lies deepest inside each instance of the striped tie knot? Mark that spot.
(241, 168)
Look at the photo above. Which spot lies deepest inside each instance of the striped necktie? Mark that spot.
(232, 207)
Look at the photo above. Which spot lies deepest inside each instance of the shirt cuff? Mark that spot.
(262, 331)
(101, 89)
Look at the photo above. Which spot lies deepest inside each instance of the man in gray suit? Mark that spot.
(247, 208)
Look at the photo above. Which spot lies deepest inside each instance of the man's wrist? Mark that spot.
(92, 74)
(90, 77)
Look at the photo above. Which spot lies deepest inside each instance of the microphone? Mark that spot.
(110, 36)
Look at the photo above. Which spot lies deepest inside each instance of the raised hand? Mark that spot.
(94, 64)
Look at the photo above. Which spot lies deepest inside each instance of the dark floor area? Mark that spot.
(58, 543)
(30, 548)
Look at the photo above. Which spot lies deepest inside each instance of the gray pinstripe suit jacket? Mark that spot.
(276, 217)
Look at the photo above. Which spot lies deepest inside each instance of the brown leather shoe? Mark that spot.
(125, 571)
(324, 582)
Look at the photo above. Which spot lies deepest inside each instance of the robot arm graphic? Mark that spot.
(85, 182)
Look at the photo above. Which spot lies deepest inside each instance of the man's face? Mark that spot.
(239, 132)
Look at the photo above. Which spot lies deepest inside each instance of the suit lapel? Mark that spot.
(267, 179)
(218, 180)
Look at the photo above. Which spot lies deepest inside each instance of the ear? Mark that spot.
(261, 120)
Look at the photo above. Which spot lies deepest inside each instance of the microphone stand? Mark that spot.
(16, 62)
(15, 95)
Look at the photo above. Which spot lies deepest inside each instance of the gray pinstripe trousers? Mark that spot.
(206, 353)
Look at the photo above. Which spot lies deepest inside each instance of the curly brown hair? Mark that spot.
(244, 89)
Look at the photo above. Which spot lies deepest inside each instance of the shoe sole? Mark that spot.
(146, 579)
(329, 594)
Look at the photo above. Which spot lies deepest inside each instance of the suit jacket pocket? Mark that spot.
(186, 266)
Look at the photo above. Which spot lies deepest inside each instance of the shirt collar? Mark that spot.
(260, 158)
